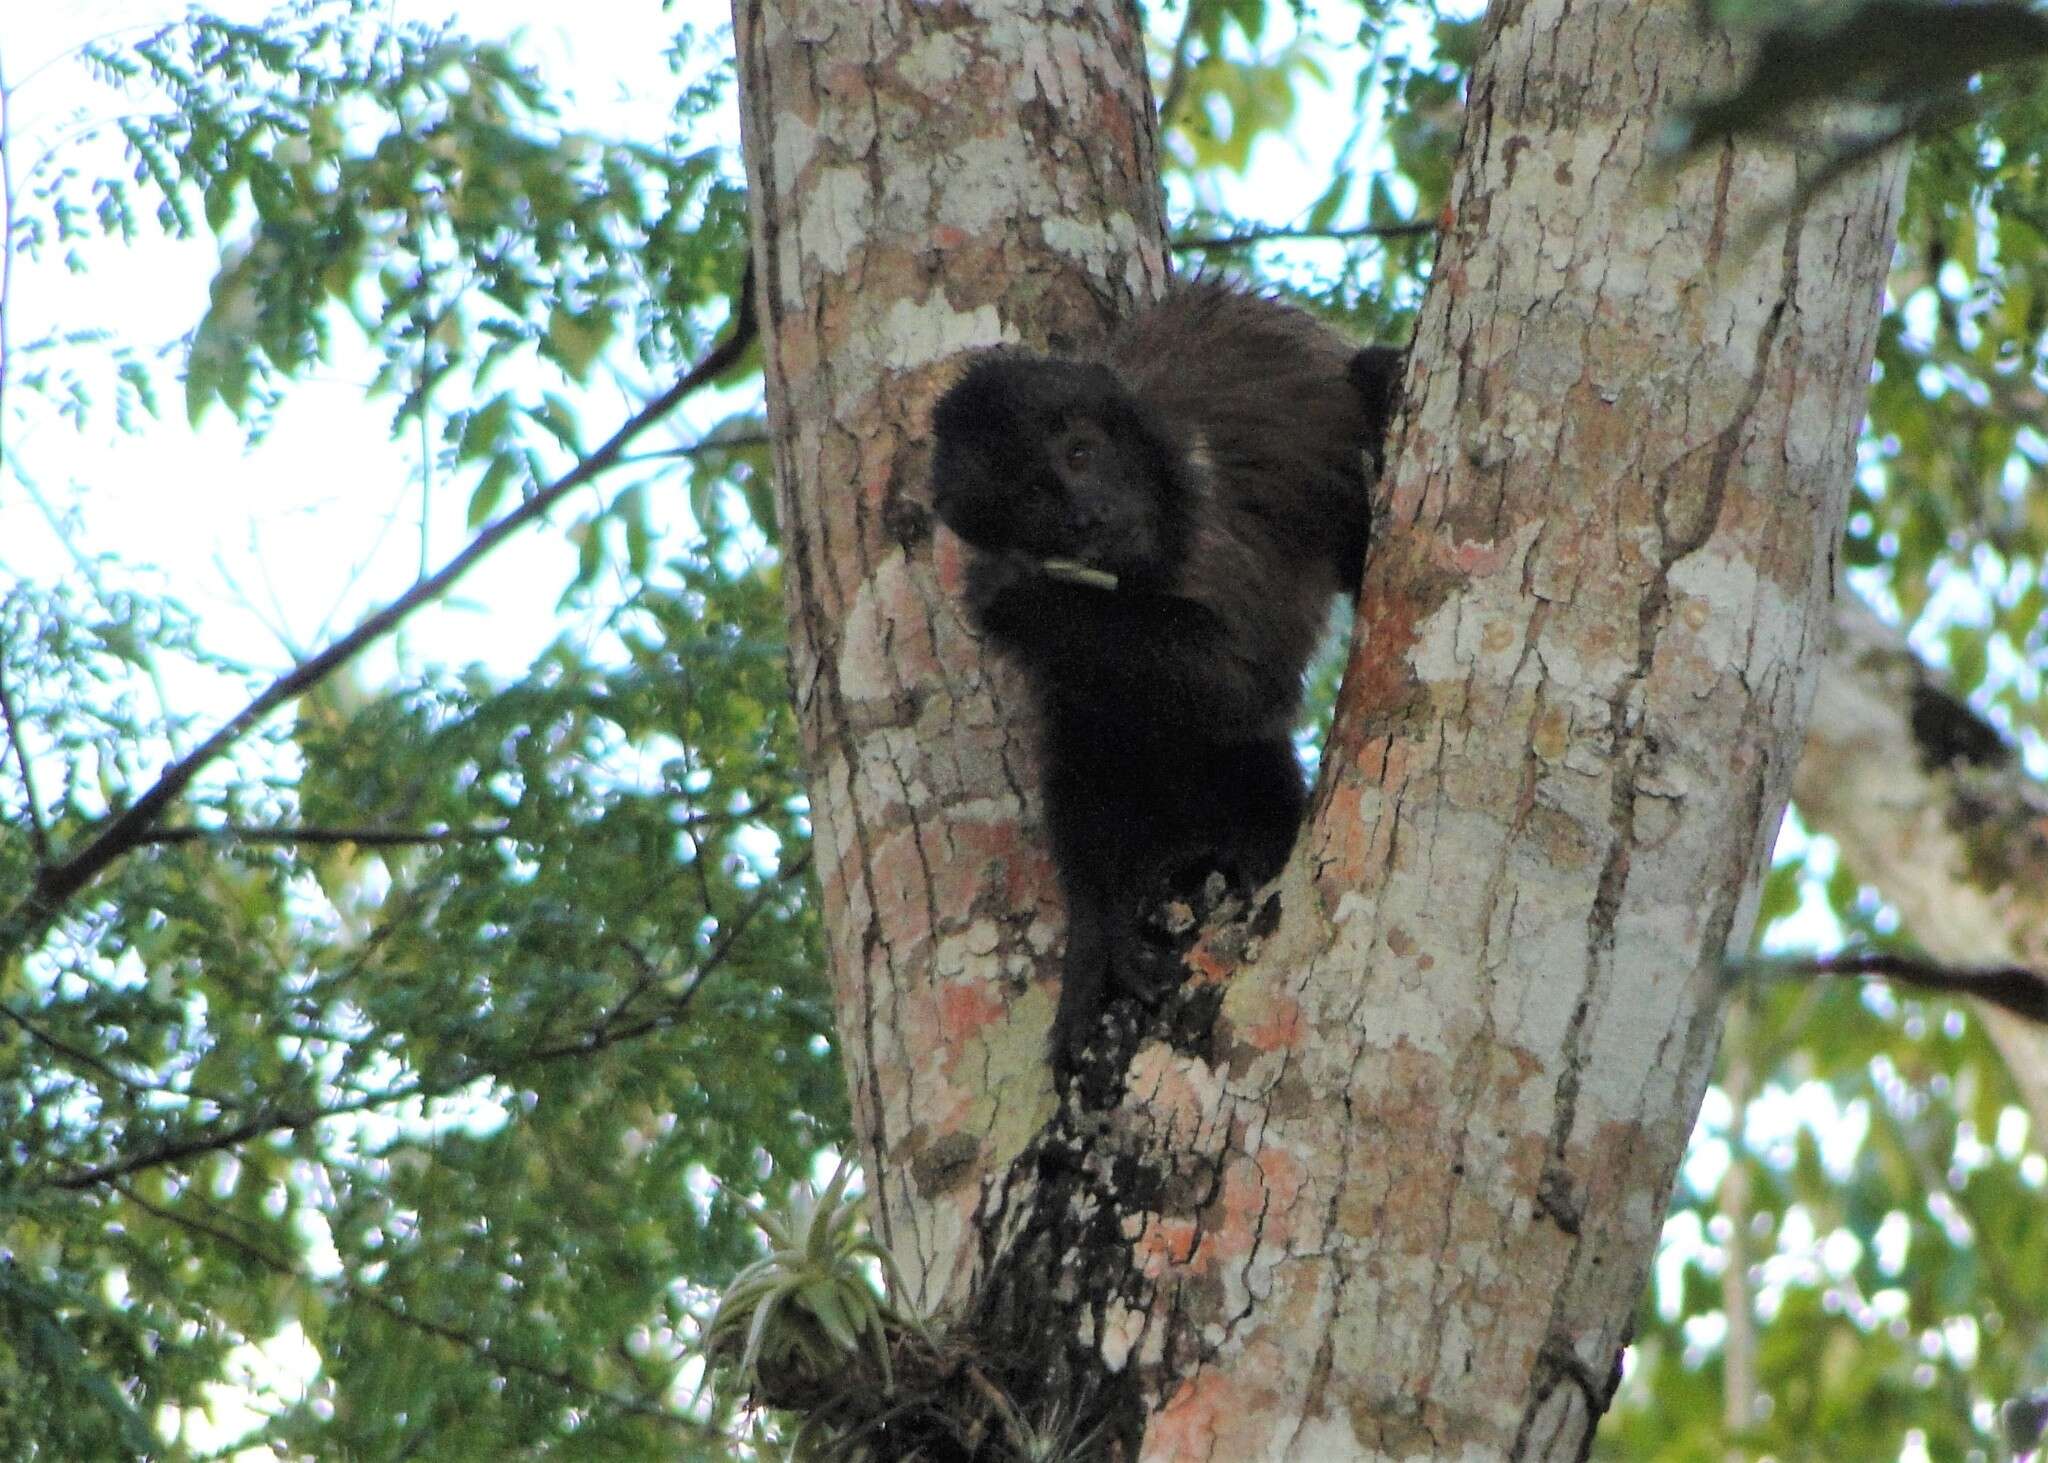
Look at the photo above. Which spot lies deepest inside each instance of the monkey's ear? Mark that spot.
(952, 370)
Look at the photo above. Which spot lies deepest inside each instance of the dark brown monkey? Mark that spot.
(1158, 530)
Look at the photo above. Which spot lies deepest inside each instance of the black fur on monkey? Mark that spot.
(1158, 529)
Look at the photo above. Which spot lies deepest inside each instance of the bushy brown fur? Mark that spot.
(1207, 474)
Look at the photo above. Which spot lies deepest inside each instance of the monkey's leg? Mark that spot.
(1084, 973)
(1257, 803)
(1222, 822)
(1085, 824)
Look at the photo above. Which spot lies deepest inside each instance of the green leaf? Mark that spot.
(490, 489)
(559, 418)
(576, 338)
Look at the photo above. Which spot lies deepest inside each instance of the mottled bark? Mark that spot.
(1930, 808)
(1404, 1203)
(1473, 1051)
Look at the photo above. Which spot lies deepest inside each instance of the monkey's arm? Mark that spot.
(1376, 372)
(1132, 655)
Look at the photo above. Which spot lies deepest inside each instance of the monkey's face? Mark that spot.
(1043, 459)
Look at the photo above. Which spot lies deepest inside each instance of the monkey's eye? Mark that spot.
(1079, 454)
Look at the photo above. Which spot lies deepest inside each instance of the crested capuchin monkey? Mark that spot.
(1157, 531)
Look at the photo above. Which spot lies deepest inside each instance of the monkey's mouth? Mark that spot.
(1073, 571)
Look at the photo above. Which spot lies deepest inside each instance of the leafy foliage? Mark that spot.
(1877, 1206)
(417, 183)
(1915, 62)
(580, 987)
(441, 1023)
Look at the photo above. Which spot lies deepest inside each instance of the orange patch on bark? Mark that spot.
(900, 891)
(965, 1008)
(1282, 1174)
(1280, 1026)
(1377, 677)
(949, 557)
(1170, 1244)
(1480, 558)
(1199, 1417)
(1252, 1209)
(1207, 968)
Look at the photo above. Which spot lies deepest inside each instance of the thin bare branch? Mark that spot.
(483, 1347)
(38, 834)
(7, 202)
(1271, 235)
(1735, 1204)
(607, 1031)
(1177, 70)
(321, 837)
(78, 1056)
(74, 51)
(2013, 988)
(370, 837)
(737, 442)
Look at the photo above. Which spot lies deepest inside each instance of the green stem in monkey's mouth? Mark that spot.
(1073, 571)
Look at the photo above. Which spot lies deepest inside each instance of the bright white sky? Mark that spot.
(280, 546)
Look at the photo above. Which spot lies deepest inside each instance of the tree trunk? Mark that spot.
(1404, 1204)
(921, 184)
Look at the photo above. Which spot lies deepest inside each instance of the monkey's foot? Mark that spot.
(1175, 907)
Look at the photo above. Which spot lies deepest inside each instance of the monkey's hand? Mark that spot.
(1025, 608)
(993, 580)
(1128, 655)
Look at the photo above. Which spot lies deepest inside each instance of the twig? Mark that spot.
(77, 1055)
(1271, 235)
(603, 1033)
(649, 975)
(385, 837)
(738, 441)
(38, 834)
(62, 143)
(59, 882)
(259, 1125)
(1004, 1408)
(319, 837)
(6, 247)
(72, 53)
(690, 716)
(1177, 70)
(1735, 1204)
